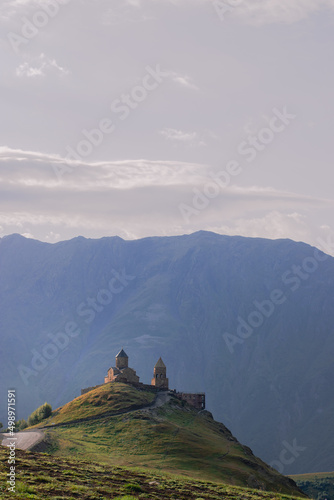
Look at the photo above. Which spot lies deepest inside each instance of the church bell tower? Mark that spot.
(159, 377)
(122, 359)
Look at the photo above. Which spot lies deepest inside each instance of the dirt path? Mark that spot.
(23, 440)
(27, 439)
(161, 399)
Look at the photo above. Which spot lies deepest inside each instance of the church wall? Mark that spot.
(122, 363)
(196, 400)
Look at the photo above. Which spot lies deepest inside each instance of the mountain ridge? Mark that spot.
(187, 292)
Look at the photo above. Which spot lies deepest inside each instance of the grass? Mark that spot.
(318, 486)
(81, 479)
(108, 398)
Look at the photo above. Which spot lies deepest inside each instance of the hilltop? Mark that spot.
(165, 434)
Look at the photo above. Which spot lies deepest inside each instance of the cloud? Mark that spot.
(38, 170)
(213, 84)
(137, 198)
(29, 71)
(259, 12)
(40, 66)
(181, 79)
(273, 225)
(179, 136)
(256, 12)
(134, 3)
(12, 8)
(184, 81)
(125, 12)
(279, 225)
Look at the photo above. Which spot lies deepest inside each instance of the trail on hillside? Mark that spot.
(160, 399)
(23, 440)
(27, 439)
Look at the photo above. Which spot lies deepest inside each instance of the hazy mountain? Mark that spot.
(179, 297)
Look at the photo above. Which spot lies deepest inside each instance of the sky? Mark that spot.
(164, 117)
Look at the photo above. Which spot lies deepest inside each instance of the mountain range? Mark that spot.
(247, 321)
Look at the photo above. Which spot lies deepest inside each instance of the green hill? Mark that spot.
(109, 398)
(106, 426)
(319, 486)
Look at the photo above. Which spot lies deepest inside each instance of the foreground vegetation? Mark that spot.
(318, 486)
(41, 477)
(37, 416)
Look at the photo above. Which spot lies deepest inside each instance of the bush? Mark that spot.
(133, 487)
(20, 425)
(127, 497)
(40, 414)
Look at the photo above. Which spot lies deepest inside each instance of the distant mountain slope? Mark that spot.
(173, 437)
(179, 297)
(319, 486)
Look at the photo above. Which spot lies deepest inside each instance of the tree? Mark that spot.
(21, 424)
(40, 414)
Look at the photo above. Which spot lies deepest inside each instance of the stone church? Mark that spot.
(121, 372)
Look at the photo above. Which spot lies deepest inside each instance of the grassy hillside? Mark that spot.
(109, 398)
(173, 438)
(319, 486)
(44, 477)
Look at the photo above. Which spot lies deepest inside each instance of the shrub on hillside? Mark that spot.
(133, 487)
(20, 425)
(40, 414)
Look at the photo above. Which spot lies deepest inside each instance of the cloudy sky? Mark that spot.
(164, 117)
